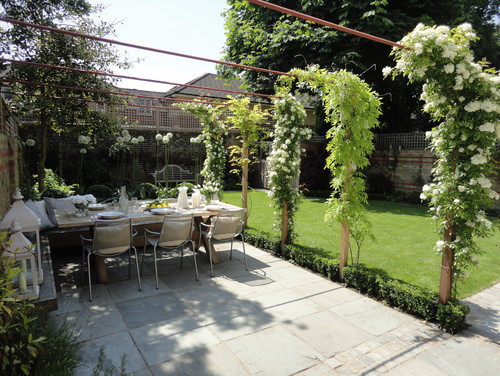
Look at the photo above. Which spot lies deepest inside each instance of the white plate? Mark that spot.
(97, 206)
(163, 211)
(213, 207)
(110, 215)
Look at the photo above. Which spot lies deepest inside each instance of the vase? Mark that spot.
(81, 210)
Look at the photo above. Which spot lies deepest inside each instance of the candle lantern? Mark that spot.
(28, 221)
(20, 250)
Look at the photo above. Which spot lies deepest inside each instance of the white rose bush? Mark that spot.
(284, 161)
(212, 135)
(464, 97)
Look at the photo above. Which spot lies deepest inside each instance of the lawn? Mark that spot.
(405, 237)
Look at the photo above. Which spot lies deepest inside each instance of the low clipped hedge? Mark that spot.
(409, 298)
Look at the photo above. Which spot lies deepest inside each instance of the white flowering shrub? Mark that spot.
(284, 160)
(212, 135)
(464, 97)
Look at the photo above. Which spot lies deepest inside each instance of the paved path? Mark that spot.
(277, 319)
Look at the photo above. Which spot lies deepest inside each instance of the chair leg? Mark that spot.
(137, 267)
(156, 267)
(209, 250)
(231, 251)
(144, 252)
(182, 255)
(129, 274)
(90, 278)
(195, 264)
(244, 252)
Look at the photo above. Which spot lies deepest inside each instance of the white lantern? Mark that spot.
(20, 250)
(28, 221)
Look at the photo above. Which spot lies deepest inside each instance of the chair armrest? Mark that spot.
(149, 232)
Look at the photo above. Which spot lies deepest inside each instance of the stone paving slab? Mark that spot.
(275, 319)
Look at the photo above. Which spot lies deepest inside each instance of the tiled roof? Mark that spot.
(207, 80)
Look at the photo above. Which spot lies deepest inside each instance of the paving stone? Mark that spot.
(274, 351)
(212, 360)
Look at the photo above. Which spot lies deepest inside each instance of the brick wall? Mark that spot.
(10, 168)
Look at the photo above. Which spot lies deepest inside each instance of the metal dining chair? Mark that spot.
(226, 225)
(111, 238)
(175, 233)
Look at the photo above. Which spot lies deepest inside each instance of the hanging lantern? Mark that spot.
(20, 250)
(28, 221)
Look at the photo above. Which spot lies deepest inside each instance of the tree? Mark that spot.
(33, 45)
(265, 38)
(248, 120)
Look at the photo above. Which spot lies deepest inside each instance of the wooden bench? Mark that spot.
(173, 174)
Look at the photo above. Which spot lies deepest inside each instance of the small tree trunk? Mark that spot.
(284, 223)
(244, 183)
(446, 280)
(344, 249)
(44, 129)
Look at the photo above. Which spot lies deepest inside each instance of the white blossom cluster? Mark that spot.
(82, 201)
(164, 139)
(466, 99)
(197, 139)
(209, 189)
(284, 160)
(30, 142)
(84, 140)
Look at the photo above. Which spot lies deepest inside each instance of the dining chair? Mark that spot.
(111, 238)
(226, 225)
(175, 233)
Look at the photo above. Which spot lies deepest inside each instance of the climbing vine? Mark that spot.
(284, 161)
(464, 97)
(352, 109)
(213, 132)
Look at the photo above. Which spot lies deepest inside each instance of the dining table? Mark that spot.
(142, 217)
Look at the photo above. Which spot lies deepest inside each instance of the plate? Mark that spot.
(97, 206)
(213, 207)
(163, 211)
(110, 215)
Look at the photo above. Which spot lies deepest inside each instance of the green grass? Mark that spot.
(404, 245)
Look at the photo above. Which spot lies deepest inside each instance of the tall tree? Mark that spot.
(39, 46)
(265, 38)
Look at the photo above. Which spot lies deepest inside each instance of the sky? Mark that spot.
(193, 27)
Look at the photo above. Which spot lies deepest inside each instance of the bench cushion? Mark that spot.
(40, 209)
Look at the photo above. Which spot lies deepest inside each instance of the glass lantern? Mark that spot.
(28, 221)
(21, 251)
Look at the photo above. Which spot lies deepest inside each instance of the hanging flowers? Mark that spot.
(212, 135)
(465, 97)
(284, 160)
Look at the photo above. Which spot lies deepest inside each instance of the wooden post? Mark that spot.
(344, 235)
(244, 183)
(344, 249)
(447, 265)
(284, 223)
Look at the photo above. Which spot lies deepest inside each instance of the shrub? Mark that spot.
(409, 298)
(100, 191)
(145, 190)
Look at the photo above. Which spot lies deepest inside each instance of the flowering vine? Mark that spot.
(284, 161)
(464, 96)
(353, 109)
(213, 131)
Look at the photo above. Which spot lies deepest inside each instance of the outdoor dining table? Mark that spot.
(143, 217)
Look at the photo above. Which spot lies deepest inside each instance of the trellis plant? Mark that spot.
(464, 97)
(248, 119)
(213, 132)
(352, 109)
(284, 162)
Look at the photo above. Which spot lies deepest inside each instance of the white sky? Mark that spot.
(193, 27)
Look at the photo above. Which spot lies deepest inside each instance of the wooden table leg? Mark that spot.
(100, 265)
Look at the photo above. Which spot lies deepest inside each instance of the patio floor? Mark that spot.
(275, 319)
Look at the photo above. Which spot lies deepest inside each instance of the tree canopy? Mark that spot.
(33, 45)
(265, 38)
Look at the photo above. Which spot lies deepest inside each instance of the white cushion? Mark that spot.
(59, 204)
(40, 210)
